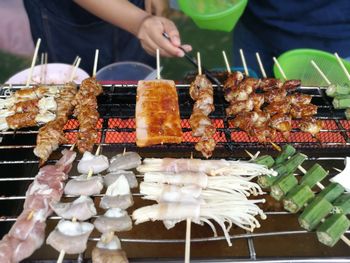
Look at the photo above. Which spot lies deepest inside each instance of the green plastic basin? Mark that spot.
(214, 14)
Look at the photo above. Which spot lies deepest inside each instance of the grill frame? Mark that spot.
(333, 152)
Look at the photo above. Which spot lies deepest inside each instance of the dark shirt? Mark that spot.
(327, 19)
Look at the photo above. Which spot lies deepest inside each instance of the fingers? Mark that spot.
(148, 6)
(151, 37)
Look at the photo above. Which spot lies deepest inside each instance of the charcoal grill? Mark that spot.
(280, 239)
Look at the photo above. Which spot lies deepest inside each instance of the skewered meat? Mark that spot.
(157, 113)
(210, 167)
(299, 98)
(20, 120)
(282, 107)
(199, 179)
(124, 161)
(114, 220)
(292, 84)
(111, 177)
(28, 233)
(200, 84)
(240, 106)
(303, 110)
(70, 237)
(263, 133)
(275, 95)
(108, 250)
(51, 134)
(84, 185)
(258, 100)
(82, 208)
(85, 103)
(282, 123)
(201, 91)
(268, 84)
(233, 80)
(90, 162)
(35, 92)
(117, 195)
(249, 120)
(311, 125)
(199, 121)
(25, 106)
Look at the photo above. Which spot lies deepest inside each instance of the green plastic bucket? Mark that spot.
(214, 14)
(296, 64)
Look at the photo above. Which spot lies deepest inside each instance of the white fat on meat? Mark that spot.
(6, 113)
(7, 103)
(183, 178)
(117, 195)
(70, 236)
(125, 161)
(167, 211)
(47, 104)
(111, 177)
(3, 124)
(108, 242)
(45, 117)
(114, 220)
(170, 193)
(44, 190)
(84, 185)
(82, 208)
(96, 163)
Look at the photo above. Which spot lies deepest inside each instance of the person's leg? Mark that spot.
(245, 39)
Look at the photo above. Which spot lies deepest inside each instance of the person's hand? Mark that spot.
(151, 36)
(157, 7)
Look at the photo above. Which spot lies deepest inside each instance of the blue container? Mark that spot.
(126, 70)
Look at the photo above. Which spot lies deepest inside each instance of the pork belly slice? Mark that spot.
(70, 236)
(82, 208)
(124, 161)
(117, 195)
(114, 220)
(92, 162)
(82, 185)
(157, 113)
(111, 177)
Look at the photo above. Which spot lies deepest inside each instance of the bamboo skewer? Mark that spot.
(158, 64)
(77, 63)
(188, 226)
(342, 65)
(226, 62)
(313, 63)
(199, 63)
(280, 68)
(33, 62)
(95, 63)
(244, 63)
(263, 72)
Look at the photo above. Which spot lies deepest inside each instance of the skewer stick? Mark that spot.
(124, 151)
(72, 75)
(342, 65)
(320, 72)
(42, 67)
(199, 63)
(261, 66)
(96, 153)
(280, 68)
(33, 62)
(158, 64)
(226, 62)
(95, 63)
(244, 62)
(62, 252)
(45, 67)
(188, 231)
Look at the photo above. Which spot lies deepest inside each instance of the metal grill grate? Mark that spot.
(279, 240)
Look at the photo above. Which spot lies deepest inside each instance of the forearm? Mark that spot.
(120, 13)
